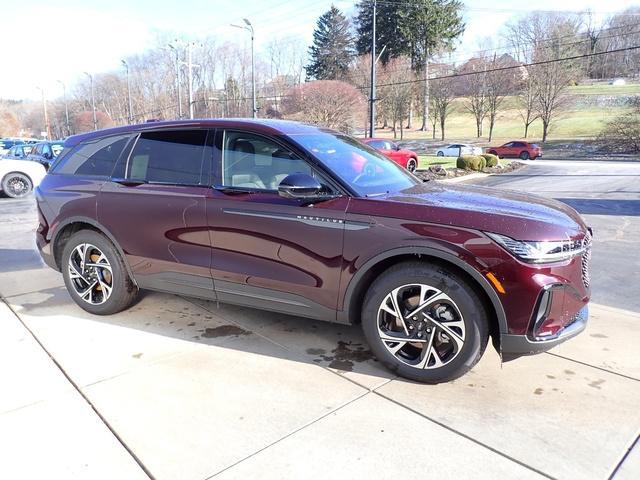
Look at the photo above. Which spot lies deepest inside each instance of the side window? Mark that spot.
(46, 150)
(256, 162)
(38, 149)
(376, 144)
(510, 144)
(94, 157)
(173, 156)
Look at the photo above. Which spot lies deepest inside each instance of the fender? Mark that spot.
(431, 252)
(102, 229)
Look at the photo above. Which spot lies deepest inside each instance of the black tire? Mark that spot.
(493, 152)
(123, 290)
(440, 153)
(16, 185)
(524, 155)
(412, 164)
(470, 306)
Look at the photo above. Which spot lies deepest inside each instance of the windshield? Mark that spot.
(368, 172)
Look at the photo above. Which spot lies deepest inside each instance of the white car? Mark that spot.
(458, 149)
(19, 177)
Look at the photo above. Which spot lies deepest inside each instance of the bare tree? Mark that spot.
(442, 96)
(330, 103)
(498, 85)
(395, 95)
(473, 86)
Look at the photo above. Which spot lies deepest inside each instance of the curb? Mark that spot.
(471, 176)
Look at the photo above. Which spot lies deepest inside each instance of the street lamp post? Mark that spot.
(177, 78)
(126, 66)
(93, 101)
(66, 106)
(46, 116)
(249, 28)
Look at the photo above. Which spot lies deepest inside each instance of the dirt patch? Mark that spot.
(343, 356)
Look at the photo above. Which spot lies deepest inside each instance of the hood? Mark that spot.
(518, 215)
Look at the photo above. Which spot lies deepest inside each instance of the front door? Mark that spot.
(270, 251)
(155, 207)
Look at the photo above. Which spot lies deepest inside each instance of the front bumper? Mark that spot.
(514, 346)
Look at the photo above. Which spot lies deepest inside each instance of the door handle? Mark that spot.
(128, 182)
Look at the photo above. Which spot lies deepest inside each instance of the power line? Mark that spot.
(512, 67)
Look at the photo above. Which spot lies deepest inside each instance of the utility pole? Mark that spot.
(126, 66)
(46, 116)
(175, 49)
(372, 93)
(190, 66)
(66, 106)
(93, 102)
(249, 28)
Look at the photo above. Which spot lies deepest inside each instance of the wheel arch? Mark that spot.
(357, 288)
(66, 229)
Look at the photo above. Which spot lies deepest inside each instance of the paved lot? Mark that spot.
(180, 388)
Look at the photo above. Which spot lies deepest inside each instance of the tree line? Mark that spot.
(419, 77)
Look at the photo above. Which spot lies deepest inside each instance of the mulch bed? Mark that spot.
(437, 172)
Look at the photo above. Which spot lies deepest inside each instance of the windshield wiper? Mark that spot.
(369, 195)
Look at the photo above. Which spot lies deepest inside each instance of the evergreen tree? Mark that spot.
(332, 49)
(417, 28)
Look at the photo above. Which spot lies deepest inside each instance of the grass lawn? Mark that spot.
(580, 119)
(425, 160)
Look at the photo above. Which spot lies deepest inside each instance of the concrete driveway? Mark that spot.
(182, 388)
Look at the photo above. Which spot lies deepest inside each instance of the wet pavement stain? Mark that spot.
(596, 383)
(569, 372)
(598, 335)
(551, 377)
(136, 355)
(345, 356)
(316, 351)
(191, 324)
(225, 331)
(538, 391)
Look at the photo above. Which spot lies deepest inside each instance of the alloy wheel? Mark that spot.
(421, 326)
(17, 186)
(90, 274)
(411, 165)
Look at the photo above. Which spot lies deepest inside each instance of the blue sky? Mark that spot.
(60, 39)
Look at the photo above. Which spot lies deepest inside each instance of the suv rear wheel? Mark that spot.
(424, 322)
(524, 155)
(95, 274)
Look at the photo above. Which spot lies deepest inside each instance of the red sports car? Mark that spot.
(405, 158)
(522, 150)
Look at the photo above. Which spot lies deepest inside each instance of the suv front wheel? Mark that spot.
(425, 322)
(95, 275)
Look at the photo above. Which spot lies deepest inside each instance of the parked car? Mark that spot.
(19, 177)
(405, 158)
(306, 221)
(522, 150)
(18, 152)
(7, 143)
(458, 149)
(45, 152)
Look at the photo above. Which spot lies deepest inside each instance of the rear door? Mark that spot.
(270, 251)
(154, 205)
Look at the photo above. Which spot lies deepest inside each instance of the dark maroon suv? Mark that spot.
(309, 222)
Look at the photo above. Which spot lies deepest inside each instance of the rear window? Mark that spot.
(173, 157)
(95, 157)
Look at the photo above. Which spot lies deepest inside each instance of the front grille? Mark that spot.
(586, 257)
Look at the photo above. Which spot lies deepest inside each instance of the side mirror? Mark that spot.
(299, 186)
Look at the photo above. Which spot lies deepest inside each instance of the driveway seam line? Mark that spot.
(594, 366)
(308, 424)
(464, 435)
(82, 394)
(635, 443)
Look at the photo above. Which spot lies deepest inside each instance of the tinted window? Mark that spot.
(93, 157)
(379, 144)
(367, 171)
(168, 157)
(38, 149)
(256, 162)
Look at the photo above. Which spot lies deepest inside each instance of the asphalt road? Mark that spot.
(607, 195)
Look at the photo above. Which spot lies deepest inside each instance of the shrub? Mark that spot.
(492, 160)
(471, 162)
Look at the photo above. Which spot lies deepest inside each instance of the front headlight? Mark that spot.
(540, 252)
